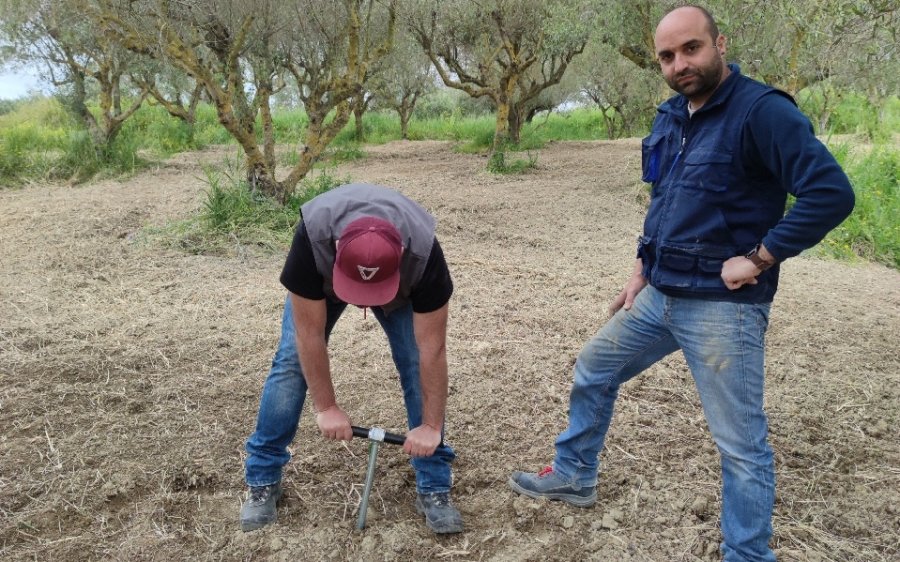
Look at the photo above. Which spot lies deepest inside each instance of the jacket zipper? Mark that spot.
(668, 196)
(680, 152)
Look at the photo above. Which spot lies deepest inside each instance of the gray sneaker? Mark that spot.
(548, 484)
(259, 509)
(440, 515)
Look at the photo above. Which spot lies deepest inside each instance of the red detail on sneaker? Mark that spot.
(545, 471)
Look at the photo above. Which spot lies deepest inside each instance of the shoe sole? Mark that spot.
(577, 501)
(254, 525)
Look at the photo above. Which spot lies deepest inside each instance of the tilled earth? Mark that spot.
(131, 367)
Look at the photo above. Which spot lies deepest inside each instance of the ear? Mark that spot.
(721, 41)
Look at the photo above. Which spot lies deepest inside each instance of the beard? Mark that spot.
(705, 80)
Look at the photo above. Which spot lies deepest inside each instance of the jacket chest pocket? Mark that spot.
(707, 169)
(652, 155)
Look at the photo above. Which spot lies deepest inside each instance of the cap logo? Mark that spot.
(367, 273)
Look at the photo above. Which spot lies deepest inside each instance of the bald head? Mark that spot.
(691, 12)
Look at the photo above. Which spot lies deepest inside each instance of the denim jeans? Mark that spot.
(285, 391)
(724, 345)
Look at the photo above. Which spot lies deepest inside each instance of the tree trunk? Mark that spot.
(404, 124)
(405, 110)
(359, 130)
(261, 179)
(360, 106)
(79, 106)
(359, 133)
(317, 138)
(515, 122)
(608, 121)
(501, 129)
(263, 95)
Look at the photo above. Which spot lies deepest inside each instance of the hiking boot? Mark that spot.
(259, 509)
(440, 515)
(548, 484)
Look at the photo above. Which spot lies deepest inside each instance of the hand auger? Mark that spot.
(375, 435)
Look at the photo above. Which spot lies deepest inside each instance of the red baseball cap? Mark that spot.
(367, 267)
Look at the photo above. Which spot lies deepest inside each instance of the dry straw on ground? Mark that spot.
(130, 373)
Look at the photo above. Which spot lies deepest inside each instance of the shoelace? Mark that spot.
(545, 471)
(441, 500)
(259, 494)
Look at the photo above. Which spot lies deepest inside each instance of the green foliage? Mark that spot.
(498, 163)
(289, 124)
(872, 231)
(40, 142)
(437, 104)
(337, 154)
(207, 130)
(8, 106)
(477, 136)
(159, 132)
(850, 113)
(15, 158)
(379, 126)
(236, 216)
(577, 124)
(442, 103)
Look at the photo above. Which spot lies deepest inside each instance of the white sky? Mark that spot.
(17, 83)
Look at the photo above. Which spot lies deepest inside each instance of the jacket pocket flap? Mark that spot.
(710, 265)
(677, 262)
(699, 157)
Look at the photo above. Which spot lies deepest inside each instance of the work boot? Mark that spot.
(550, 485)
(259, 509)
(440, 515)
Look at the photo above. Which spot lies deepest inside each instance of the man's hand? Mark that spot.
(334, 424)
(634, 286)
(739, 271)
(422, 441)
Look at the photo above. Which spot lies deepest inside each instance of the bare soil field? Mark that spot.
(130, 374)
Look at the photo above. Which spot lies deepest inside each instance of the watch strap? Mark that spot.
(758, 261)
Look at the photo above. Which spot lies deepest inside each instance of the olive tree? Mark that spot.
(80, 63)
(242, 53)
(508, 51)
(625, 93)
(831, 46)
(401, 78)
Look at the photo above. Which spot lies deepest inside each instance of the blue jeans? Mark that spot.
(285, 391)
(724, 345)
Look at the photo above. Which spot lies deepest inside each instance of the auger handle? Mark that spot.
(378, 434)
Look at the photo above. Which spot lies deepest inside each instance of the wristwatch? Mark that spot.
(758, 261)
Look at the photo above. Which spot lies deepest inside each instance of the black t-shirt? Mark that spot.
(301, 277)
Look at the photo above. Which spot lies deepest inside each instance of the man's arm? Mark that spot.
(309, 326)
(779, 138)
(431, 338)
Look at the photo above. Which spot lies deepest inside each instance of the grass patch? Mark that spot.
(500, 164)
(338, 154)
(872, 231)
(234, 218)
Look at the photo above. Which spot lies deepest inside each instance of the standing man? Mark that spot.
(368, 246)
(722, 157)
